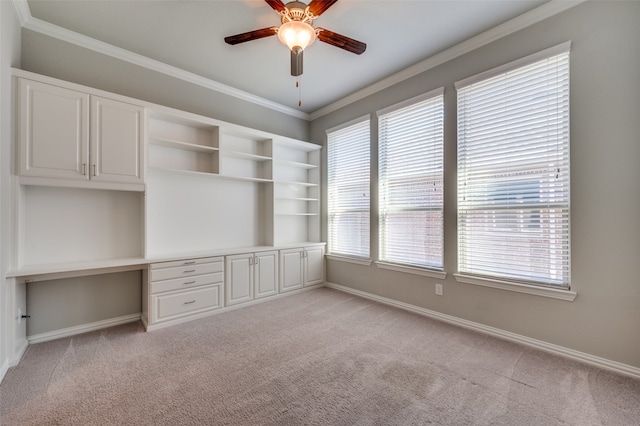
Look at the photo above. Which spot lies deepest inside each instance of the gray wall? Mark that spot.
(12, 334)
(605, 199)
(58, 304)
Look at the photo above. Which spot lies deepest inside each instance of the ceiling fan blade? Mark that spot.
(296, 62)
(276, 5)
(251, 35)
(317, 7)
(343, 42)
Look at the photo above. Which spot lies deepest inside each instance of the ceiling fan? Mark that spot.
(297, 31)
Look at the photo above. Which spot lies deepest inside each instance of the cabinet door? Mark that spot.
(53, 131)
(291, 274)
(116, 141)
(238, 279)
(265, 274)
(313, 265)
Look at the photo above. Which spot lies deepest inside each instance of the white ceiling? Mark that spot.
(189, 35)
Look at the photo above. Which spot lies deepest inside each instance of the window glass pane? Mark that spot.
(513, 174)
(348, 190)
(411, 183)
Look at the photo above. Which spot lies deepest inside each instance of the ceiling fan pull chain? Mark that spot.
(299, 86)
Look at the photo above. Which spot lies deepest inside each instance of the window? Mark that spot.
(411, 181)
(513, 171)
(349, 155)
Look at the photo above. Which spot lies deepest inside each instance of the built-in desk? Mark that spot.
(182, 287)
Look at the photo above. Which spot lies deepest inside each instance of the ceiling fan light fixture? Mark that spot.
(296, 34)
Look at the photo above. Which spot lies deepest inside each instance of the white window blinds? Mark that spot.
(349, 155)
(411, 181)
(513, 171)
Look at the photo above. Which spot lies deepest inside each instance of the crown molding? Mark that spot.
(63, 34)
(534, 16)
(518, 23)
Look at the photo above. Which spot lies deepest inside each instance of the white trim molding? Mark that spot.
(614, 366)
(553, 293)
(347, 259)
(534, 16)
(518, 23)
(72, 37)
(412, 270)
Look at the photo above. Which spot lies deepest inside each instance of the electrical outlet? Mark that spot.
(439, 289)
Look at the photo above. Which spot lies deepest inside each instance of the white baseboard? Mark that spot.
(15, 360)
(84, 328)
(617, 367)
(22, 348)
(3, 370)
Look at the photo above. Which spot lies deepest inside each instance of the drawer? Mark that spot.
(186, 270)
(185, 262)
(186, 282)
(185, 302)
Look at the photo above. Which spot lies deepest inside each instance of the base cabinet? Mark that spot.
(313, 265)
(250, 276)
(176, 291)
(300, 267)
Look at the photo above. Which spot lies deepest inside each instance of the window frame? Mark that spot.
(387, 262)
(352, 257)
(531, 286)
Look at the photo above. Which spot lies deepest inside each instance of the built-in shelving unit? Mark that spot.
(265, 191)
(183, 145)
(108, 184)
(296, 191)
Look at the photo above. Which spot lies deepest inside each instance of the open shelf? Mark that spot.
(254, 187)
(245, 155)
(295, 164)
(170, 143)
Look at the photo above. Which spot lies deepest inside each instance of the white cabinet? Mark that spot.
(68, 134)
(250, 276)
(265, 274)
(116, 141)
(300, 267)
(53, 131)
(313, 265)
(182, 290)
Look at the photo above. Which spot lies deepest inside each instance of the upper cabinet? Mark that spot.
(68, 134)
(116, 141)
(53, 131)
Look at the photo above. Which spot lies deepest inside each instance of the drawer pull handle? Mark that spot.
(188, 303)
(189, 270)
(189, 282)
(189, 263)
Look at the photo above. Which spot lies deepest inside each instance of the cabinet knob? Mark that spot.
(189, 271)
(190, 302)
(84, 169)
(189, 282)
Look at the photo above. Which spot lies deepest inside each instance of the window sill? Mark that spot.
(412, 270)
(347, 259)
(553, 293)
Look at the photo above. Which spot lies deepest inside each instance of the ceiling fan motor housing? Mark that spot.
(297, 11)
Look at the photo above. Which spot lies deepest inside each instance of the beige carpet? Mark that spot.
(320, 357)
